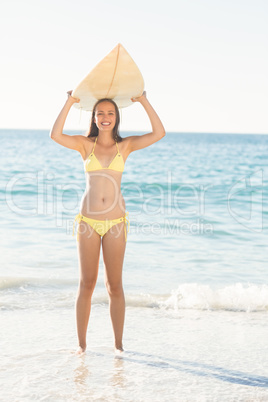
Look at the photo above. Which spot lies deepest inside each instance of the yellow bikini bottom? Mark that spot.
(102, 227)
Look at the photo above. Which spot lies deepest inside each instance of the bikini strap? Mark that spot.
(94, 145)
(117, 147)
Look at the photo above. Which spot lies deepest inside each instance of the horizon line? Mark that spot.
(140, 131)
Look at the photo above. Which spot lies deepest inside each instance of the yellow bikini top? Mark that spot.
(92, 163)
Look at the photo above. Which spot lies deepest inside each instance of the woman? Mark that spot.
(103, 218)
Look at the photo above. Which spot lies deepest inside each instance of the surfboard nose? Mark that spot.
(116, 76)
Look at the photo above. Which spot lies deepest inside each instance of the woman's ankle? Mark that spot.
(81, 349)
(119, 347)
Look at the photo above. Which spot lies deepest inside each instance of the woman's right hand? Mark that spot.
(74, 100)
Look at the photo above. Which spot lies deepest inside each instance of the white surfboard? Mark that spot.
(116, 77)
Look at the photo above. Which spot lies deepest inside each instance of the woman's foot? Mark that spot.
(118, 350)
(80, 350)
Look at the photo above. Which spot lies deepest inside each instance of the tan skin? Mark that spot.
(103, 200)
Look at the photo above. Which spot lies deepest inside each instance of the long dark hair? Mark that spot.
(93, 129)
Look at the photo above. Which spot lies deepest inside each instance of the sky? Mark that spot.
(204, 62)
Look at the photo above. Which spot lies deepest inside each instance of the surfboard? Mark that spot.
(116, 77)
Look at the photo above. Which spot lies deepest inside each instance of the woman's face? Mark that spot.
(105, 116)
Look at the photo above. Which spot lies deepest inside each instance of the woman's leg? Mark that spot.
(88, 247)
(113, 245)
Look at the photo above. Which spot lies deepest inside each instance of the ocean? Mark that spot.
(195, 273)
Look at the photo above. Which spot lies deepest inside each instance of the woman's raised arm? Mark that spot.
(75, 142)
(136, 142)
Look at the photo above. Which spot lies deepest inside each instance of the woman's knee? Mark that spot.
(87, 285)
(114, 289)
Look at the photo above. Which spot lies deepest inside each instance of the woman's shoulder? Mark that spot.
(89, 140)
(124, 141)
(124, 145)
(88, 143)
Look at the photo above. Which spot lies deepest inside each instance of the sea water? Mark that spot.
(195, 273)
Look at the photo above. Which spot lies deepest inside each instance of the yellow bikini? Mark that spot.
(92, 162)
(102, 226)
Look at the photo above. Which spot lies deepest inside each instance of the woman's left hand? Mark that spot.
(139, 98)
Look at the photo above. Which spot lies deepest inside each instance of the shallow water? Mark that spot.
(183, 356)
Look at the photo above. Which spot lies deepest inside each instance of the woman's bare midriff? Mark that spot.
(102, 198)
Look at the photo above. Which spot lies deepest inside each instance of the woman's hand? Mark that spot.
(139, 98)
(74, 100)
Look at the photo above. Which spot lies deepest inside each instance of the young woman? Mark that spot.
(103, 218)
